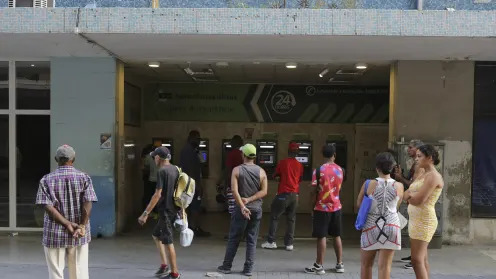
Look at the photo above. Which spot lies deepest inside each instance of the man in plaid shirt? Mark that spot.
(67, 195)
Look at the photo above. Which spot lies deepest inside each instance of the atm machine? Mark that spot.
(166, 142)
(304, 156)
(267, 156)
(341, 154)
(226, 148)
(204, 157)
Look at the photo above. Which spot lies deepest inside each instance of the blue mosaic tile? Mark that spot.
(464, 24)
(252, 21)
(389, 22)
(95, 20)
(165, 20)
(366, 22)
(4, 3)
(387, 4)
(431, 23)
(218, 21)
(320, 22)
(105, 3)
(458, 5)
(70, 18)
(343, 22)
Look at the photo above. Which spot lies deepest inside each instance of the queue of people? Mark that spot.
(67, 233)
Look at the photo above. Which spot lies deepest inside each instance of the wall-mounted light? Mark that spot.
(267, 146)
(361, 66)
(323, 73)
(153, 64)
(129, 145)
(291, 65)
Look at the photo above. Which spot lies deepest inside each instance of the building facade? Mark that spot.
(68, 73)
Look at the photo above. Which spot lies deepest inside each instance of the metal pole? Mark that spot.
(420, 5)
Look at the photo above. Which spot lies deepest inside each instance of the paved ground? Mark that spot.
(133, 256)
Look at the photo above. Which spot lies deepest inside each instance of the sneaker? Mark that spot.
(268, 245)
(340, 268)
(408, 266)
(223, 269)
(162, 271)
(315, 269)
(289, 248)
(169, 276)
(201, 233)
(247, 273)
(406, 259)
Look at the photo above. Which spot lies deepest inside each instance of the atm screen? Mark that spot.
(266, 159)
(302, 159)
(203, 155)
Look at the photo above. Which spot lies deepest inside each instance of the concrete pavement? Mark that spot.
(134, 256)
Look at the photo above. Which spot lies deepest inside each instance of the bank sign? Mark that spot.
(266, 103)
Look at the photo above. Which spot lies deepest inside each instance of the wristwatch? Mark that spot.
(145, 213)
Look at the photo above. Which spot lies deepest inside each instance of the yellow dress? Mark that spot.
(422, 222)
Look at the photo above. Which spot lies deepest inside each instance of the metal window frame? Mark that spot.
(12, 112)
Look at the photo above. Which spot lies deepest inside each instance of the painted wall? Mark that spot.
(314, 4)
(433, 101)
(83, 107)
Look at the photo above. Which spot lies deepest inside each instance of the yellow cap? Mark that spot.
(249, 150)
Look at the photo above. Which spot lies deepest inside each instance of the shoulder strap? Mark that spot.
(367, 182)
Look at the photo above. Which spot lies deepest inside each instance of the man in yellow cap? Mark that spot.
(249, 186)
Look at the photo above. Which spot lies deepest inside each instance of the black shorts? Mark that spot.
(326, 223)
(164, 228)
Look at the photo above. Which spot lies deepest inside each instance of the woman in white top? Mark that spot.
(382, 232)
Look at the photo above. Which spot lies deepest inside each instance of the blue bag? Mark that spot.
(363, 212)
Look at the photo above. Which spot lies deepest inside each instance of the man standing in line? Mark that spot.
(190, 163)
(167, 176)
(67, 195)
(289, 172)
(327, 210)
(414, 172)
(249, 186)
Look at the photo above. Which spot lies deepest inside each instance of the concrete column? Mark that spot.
(433, 101)
(83, 107)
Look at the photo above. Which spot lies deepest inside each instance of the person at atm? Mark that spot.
(234, 158)
(289, 173)
(190, 163)
(327, 180)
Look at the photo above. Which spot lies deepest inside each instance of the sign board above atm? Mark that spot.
(266, 103)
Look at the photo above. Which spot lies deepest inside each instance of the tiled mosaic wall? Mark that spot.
(251, 21)
(313, 4)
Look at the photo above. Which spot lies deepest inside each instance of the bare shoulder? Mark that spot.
(262, 173)
(434, 178)
(399, 185)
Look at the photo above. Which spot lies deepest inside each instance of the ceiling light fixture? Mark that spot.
(323, 73)
(153, 64)
(361, 66)
(291, 65)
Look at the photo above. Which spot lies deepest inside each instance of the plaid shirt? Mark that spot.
(66, 189)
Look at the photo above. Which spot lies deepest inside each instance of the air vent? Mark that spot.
(350, 72)
(40, 3)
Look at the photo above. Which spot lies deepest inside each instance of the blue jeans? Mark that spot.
(241, 226)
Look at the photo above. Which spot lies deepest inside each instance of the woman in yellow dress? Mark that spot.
(421, 197)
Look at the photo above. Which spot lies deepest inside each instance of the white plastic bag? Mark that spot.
(186, 237)
(403, 221)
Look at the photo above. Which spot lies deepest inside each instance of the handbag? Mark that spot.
(363, 212)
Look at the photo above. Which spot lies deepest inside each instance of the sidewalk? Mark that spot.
(134, 256)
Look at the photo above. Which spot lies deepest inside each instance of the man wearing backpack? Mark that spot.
(327, 180)
(249, 186)
(167, 176)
